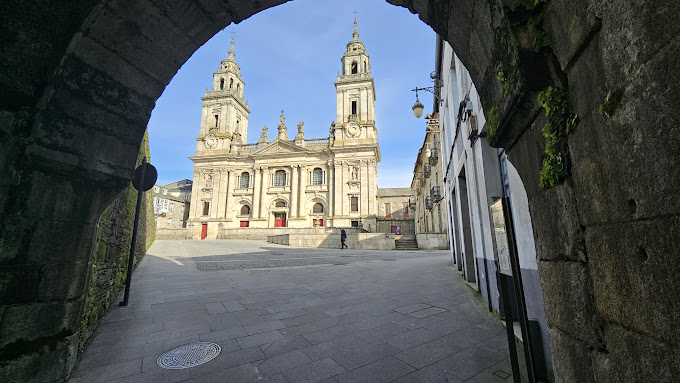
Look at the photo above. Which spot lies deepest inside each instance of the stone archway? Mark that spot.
(80, 78)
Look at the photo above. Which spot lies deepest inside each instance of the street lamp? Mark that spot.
(435, 89)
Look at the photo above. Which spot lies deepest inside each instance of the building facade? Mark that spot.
(290, 181)
(395, 214)
(431, 222)
(475, 176)
(171, 205)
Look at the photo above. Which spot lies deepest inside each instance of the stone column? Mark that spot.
(373, 187)
(294, 191)
(195, 196)
(330, 178)
(229, 197)
(263, 192)
(214, 198)
(256, 193)
(363, 188)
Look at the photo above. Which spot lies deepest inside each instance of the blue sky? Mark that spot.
(289, 57)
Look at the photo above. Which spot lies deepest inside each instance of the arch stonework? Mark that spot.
(74, 111)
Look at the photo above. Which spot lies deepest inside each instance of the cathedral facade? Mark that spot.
(294, 181)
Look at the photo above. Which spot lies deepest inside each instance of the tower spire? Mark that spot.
(355, 34)
(231, 51)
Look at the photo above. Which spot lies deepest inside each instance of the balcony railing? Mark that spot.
(427, 170)
(435, 193)
(428, 203)
(353, 117)
(434, 156)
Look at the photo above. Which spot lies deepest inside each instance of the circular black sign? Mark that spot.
(150, 177)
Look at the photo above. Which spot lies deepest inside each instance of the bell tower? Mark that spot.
(224, 117)
(355, 92)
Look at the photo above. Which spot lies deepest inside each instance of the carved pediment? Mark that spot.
(278, 147)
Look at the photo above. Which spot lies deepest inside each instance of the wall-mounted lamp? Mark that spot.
(435, 89)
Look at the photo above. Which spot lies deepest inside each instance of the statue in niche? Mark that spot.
(354, 172)
(208, 180)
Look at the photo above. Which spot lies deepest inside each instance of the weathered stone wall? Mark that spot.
(78, 82)
(385, 225)
(172, 234)
(112, 251)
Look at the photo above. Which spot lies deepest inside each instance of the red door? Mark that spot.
(279, 219)
(317, 220)
(204, 231)
(245, 223)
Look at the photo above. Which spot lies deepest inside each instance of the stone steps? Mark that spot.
(406, 243)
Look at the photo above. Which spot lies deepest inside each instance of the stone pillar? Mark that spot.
(214, 197)
(193, 208)
(229, 190)
(373, 187)
(330, 181)
(294, 190)
(263, 192)
(256, 193)
(337, 189)
(363, 188)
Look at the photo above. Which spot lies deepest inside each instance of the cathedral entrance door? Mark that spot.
(204, 231)
(279, 219)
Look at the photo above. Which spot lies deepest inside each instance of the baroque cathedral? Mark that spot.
(294, 181)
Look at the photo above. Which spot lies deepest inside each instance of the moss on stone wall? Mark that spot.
(110, 261)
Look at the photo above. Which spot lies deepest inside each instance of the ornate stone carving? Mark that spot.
(210, 141)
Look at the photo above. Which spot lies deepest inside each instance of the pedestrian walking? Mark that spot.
(343, 238)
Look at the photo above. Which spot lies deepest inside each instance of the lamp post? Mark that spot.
(435, 89)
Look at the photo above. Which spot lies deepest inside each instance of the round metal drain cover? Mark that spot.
(189, 355)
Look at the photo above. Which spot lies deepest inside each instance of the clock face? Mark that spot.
(353, 131)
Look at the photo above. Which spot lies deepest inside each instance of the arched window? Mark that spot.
(317, 176)
(238, 88)
(365, 69)
(355, 67)
(231, 83)
(318, 208)
(245, 210)
(245, 180)
(280, 178)
(221, 84)
(281, 204)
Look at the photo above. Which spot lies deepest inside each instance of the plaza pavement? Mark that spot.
(293, 315)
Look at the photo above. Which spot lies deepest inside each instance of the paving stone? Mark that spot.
(378, 321)
(328, 334)
(412, 338)
(429, 374)
(227, 360)
(302, 319)
(264, 327)
(112, 371)
(427, 312)
(258, 339)
(314, 372)
(384, 370)
(283, 361)
(335, 347)
(310, 327)
(414, 323)
(412, 308)
(428, 353)
(360, 356)
(222, 335)
(285, 345)
(381, 333)
(232, 306)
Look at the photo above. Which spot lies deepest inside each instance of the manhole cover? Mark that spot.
(189, 355)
